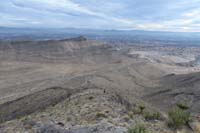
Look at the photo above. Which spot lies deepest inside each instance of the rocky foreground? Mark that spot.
(83, 86)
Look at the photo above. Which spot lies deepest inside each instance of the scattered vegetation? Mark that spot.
(182, 105)
(90, 97)
(178, 117)
(141, 107)
(111, 121)
(130, 114)
(149, 115)
(106, 111)
(100, 115)
(68, 118)
(126, 118)
(27, 122)
(138, 128)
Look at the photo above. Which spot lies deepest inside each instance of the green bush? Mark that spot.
(130, 114)
(126, 118)
(100, 115)
(90, 97)
(178, 118)
(138, 128)
(182, 105)
(152, 115)
(141, 107)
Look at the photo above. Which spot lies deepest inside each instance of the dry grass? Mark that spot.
(178, 118)
(152, 115)
(138, 128)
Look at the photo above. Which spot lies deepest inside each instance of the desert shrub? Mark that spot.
(130, 114)
(100, 115)
(138, 128)
(178, 118)
(27, 122)
(90, 97)
(141, 107)
(149, 115)
(126, 118)
(182, 105)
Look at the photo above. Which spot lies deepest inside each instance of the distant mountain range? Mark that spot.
(135, 36)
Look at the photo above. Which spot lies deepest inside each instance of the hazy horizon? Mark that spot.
(151, 15)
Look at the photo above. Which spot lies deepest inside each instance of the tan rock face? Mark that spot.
(197, 128)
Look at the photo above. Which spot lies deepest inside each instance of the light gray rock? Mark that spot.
(50, 128)
(102, 127)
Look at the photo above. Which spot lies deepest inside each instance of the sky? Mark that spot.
(156, 15)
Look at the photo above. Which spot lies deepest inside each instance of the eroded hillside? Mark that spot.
(78, 85)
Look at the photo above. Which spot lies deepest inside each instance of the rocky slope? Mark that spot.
(82, 86)
(47, 51)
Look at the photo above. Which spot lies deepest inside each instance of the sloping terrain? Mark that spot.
(177, 88)
(45, 51)
(78, 85)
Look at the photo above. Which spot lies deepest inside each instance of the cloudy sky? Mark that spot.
(164, 15)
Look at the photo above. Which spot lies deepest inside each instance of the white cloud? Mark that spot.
(113, 14)
(68, 7)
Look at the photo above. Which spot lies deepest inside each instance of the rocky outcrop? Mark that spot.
(50, 50)
(33, 102)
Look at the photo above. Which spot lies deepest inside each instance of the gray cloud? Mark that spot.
(179, 15)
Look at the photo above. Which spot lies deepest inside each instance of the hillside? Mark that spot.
(79, 85)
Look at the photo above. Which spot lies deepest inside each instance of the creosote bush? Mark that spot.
(130, 114)
(178, 117)
(141, 107)
(150, 115)
(126, 118)
(90, 97)
(100, 115)
(182, 105)
(138, 128)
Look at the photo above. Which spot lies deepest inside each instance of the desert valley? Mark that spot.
(81, 85)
